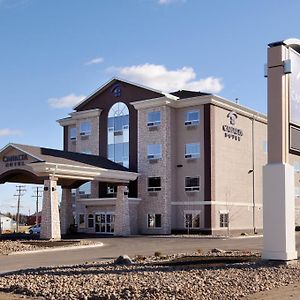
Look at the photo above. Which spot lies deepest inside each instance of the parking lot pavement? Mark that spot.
(138, 245)
(113, 247)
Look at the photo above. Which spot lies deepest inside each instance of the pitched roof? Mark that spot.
(69, 158)
(113, 81)
(182, 94)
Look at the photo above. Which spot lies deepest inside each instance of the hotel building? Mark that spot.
(183, 162)
(199, 158)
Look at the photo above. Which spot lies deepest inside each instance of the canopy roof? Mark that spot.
(31, 164)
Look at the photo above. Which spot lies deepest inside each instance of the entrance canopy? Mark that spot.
(30, 164)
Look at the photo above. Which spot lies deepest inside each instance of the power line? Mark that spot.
(21, 189)
(37, 194)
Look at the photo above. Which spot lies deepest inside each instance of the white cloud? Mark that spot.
(8, 132)
(159, 77)
(166, 2)
(66, 101)
(95, 61)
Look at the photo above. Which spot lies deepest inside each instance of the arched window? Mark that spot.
(118, 134)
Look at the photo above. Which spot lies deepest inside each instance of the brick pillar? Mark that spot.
(66, 214)
(122, 221)
(50, 225)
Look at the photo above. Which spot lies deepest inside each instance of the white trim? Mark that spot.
(74, 116)
(86, 172)
(200, 100)
(215, 203)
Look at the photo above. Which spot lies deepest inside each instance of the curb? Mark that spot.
(244, 237)
(56, 249)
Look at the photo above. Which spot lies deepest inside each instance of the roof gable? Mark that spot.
(111, 86)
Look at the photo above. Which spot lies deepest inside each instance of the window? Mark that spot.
(224, 219)
(81, 221)
(192, 150)
(85, 190)
(85, 128)
(154, 184)
(73, 133)
(153, 118)
(192, 118)
(154, 151)
(119, 153)
(154, 220)
(192, 219)
(91, 221)
(192, 184)
(118, 134)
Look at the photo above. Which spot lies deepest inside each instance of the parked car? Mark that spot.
(36, 229)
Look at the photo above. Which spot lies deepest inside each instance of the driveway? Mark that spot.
(139, 245)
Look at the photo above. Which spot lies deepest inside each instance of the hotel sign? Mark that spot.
(230, 131)
(15, 160)
(294, 101)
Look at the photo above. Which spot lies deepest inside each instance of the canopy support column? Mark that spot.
(122, 219)
(50, 225)
(66, 215)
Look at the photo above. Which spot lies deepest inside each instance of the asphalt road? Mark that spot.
(113, 247)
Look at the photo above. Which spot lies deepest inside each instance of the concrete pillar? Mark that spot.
(278, 174)
(122, 220)
(66, 214)
(279, 212)
(50, 225)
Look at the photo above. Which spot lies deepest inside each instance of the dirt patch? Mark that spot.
(209, 261)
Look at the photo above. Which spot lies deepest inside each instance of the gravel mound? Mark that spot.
(7, 246)
(149, 280)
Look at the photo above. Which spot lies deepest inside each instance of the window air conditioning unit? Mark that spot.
(190, 156)
(153, 124)
(73, 138)
(153, 157)
(191, 123)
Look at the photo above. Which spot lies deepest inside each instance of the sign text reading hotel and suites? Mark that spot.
(230, 131)
(15, 160)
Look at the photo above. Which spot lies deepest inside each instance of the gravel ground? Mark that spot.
(7, 247)
(147, 280)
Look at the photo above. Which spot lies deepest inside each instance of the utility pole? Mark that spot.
(37, 194)
(19, 193)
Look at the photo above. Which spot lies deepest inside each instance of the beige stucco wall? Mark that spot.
(232, 162)
(187, 201)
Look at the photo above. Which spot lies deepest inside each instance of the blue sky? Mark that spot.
(53, 53)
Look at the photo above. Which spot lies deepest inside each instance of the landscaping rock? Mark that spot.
(123, 260)
(217, 250)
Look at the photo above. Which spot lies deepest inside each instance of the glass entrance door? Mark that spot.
(104, 222)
